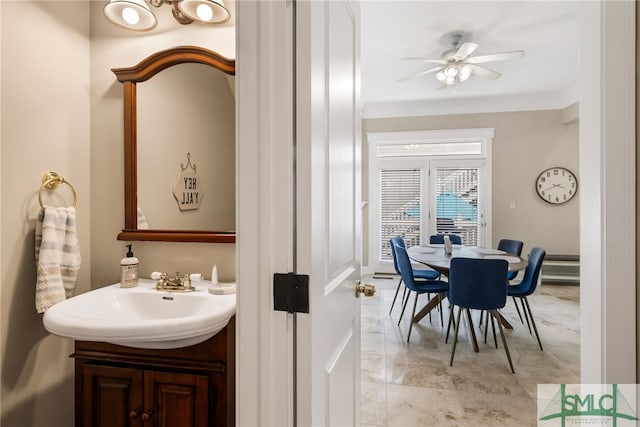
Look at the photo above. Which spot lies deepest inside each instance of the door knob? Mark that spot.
(367, 289)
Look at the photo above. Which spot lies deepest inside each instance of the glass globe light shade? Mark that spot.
(464, 73)
(207, 11)
(451, 71)
(131, 14)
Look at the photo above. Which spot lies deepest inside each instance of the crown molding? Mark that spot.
(472, 105)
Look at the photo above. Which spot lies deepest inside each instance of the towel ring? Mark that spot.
(51, 181)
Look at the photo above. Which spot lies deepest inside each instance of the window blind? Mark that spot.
(399, 208)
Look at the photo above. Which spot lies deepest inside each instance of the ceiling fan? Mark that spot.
(456, 64)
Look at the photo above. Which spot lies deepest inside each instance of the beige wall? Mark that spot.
(524, 144)
(112, 47)
(45, 126)
(62, 111)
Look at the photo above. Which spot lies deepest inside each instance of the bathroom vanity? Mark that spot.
(180, 387)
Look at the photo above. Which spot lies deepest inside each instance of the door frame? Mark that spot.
(608, 255)
(264, 211)
(608, 296)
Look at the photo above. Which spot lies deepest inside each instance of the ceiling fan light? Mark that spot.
(450, 80)
(440, 76)
(207, 11)
(451, 71)
(464, 73)
(131, 14)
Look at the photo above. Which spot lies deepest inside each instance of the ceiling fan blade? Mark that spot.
(422, 73)
(432, 61)
(465, 50)
(484, 72)
(495, 57)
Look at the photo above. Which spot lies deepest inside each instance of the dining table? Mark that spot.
(435, 257)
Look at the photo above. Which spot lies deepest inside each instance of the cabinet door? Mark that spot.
(176, 400)
(112, 397)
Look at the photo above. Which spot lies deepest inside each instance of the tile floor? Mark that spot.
(412, 385)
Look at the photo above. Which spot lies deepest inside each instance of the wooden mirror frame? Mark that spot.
(130, 76)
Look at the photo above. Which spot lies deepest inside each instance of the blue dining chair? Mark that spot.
(438, 239)
(478, 284)
(512, 247)
(418, 273)
(438, 287)
(528, 286)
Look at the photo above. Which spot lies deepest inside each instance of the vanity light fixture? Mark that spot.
(137, 16)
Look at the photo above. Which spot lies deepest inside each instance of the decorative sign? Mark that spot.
(187, 189)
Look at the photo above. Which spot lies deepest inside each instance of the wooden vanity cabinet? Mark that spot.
(120, 386)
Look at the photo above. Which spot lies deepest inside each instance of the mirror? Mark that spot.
(199, 137)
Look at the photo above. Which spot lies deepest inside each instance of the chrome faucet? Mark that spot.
(176, 283)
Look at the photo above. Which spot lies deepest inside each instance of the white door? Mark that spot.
(328, 211)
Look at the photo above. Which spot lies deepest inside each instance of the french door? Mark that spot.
(418, 197)
(456, 200)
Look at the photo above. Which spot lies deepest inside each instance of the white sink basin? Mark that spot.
(142, 317)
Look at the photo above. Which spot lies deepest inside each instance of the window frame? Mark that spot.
(373, 263)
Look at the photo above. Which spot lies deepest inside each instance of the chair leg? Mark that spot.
(494, 313)
(441, 315)
(455, 338)
(429, 299)
(451, 321)
(518, 310)
(472, 331)
(486, 325)
(404, 306)
(405, 294)
(493, 328)
(533, 322)
(415, 303)
(526, 315)
(395, 296)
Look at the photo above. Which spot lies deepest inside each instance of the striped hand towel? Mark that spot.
(57, 256)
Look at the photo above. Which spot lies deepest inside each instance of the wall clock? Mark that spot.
(556, 185)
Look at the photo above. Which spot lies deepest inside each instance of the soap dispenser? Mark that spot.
(129, 265)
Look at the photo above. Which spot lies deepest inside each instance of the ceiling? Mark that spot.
(546, 78)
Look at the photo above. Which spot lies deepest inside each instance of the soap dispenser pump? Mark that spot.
(129, 265)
